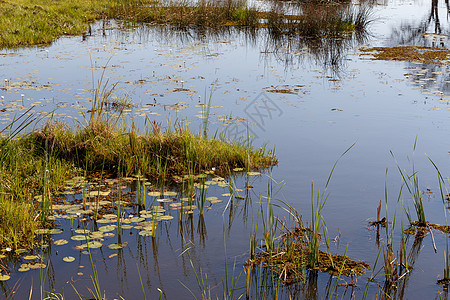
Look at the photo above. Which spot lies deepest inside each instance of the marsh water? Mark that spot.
(308, 103)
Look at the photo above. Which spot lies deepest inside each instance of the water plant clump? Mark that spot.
(291, 259)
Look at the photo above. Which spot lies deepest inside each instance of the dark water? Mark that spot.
(338, 97)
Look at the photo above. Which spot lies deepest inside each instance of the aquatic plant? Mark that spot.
(412, 184)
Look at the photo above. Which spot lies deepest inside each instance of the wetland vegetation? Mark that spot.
(113, 188)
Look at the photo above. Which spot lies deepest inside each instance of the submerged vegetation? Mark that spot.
(34, 22)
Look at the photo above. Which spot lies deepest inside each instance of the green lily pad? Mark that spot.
(110, 216)
(69, 259)
(170, 193)
(253, 173)
(115, 246)
(92, 245)
(82, 231)
(97, 234)
(164, 200)
(211, 198)
(79, 237)
(37, 266)
(42, 231)
(23, 269)
(145, 233)
(137, 220)
(155, 194)
(4, 277)
(103, 221)
(164, 218)
(55, 231)
(60, 242)
(107, 228)
(238, 169)
(30, 257)
(126, 226)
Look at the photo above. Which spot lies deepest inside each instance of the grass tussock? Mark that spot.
(35, 22)
(168, 154)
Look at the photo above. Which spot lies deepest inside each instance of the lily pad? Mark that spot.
(92, 245)
(253, 173)
(103, 221)
(164, 200)
(30, 257)
(115, 246)
(69, 259)
(155, 194)
(37, 266)
(79, 238)
(60, 242)
(4, 277)
(55, 231)
(109, 216)
(23, 269)
(107, 228)
(145, 233)
(170, 194)
(126, 226)
(164, 218)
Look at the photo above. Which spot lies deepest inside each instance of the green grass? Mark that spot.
(104, 146)
(39, 22)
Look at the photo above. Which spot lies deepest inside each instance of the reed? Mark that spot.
(411, 182)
